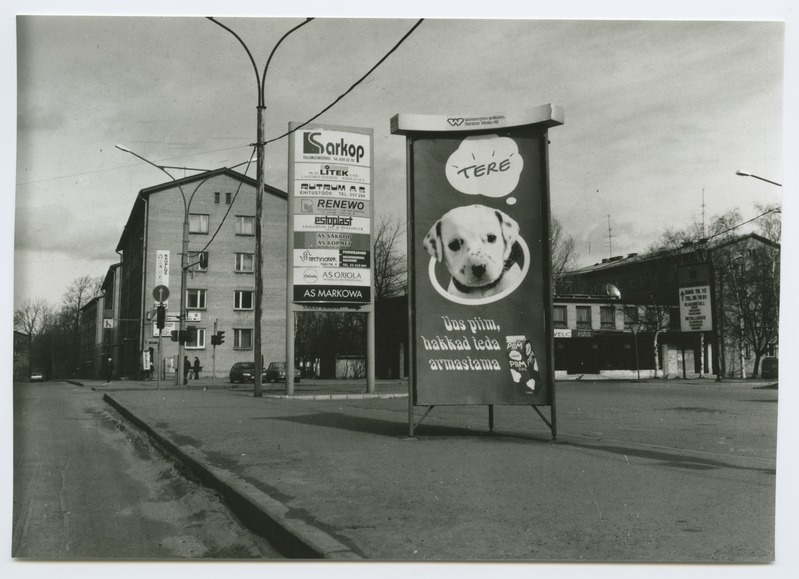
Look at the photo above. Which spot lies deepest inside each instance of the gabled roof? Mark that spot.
(686, 248)
(203, 176)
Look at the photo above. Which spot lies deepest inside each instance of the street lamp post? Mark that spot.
(744, 174)
(260, 80)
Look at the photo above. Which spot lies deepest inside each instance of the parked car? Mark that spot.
(37, 376)
(276, 372)
(769, 367)
(242, 372)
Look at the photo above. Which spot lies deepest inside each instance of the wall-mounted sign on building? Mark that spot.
(696, 311)
(479, 258)
(330, 206)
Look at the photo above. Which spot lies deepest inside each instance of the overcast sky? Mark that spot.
(656, 113)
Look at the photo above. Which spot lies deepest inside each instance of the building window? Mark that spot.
(245, 225)
(199, 340)
(245, 262)
(242, 339)
(195, 299)
(216, 196)
(243, 300)
(559, 316)
(583, 317)
(607, 315)
(198, 223)
(228, 198)
(194, 257)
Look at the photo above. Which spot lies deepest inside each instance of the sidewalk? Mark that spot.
(330, 473)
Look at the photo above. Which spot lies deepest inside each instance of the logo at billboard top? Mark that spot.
(487, 165)
(315, 143)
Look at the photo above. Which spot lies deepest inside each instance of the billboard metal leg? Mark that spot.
(550, 424)
(418, 422)
(491, 417)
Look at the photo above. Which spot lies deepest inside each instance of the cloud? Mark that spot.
(58, 228)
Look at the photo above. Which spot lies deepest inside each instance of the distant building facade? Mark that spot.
(651, 281)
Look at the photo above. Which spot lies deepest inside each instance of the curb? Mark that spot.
(261, 513)
(388, 396)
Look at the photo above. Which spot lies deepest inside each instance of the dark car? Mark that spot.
(276, 372)
(769, 367)
(243, 372)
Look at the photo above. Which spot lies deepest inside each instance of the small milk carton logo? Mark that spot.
(487, 165)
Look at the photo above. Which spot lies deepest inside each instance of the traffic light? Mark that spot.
(204, 260)
(220, 337)
(174, 335)
(160, 317)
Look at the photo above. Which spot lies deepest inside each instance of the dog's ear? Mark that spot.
(510, 231)
(432, 242)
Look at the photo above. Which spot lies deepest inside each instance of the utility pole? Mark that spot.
(260, 80)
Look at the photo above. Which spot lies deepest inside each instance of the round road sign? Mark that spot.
(161, 293)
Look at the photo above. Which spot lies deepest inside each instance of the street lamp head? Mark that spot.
(742, 174)
(121, 148)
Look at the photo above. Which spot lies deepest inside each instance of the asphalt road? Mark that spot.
(88, 486)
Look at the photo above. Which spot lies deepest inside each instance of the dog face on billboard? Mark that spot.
(476, 244)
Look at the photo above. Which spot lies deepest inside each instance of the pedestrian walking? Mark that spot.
(186, 370)
(196, 368)
(109, 370)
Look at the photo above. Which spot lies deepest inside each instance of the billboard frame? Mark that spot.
(293, 307)
(535, 121)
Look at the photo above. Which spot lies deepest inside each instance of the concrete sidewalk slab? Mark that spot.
(346, 470)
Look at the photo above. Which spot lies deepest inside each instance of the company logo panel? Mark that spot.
(337, 276)
(332, 240)
(331, 206)
(308, 176)
(328, 145)
(332, 223)
(326, 294)
(330, 258)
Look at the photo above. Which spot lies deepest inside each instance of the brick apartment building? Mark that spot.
(221, 217)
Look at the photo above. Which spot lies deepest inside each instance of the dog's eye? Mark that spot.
(455, 244)
(491, 238)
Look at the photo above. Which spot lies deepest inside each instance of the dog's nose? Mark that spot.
(478, 270)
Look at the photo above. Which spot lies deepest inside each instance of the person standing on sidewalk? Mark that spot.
(186, 370)
(109, 370)
(196, 368)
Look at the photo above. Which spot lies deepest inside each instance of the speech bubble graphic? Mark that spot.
(487, 165)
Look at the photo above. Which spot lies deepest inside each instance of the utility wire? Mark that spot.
(224, 217)
(349, 90)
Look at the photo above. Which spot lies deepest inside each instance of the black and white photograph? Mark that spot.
(492, 289)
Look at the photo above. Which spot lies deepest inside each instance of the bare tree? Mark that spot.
(391, 264)
(564, 257)
(33, 317)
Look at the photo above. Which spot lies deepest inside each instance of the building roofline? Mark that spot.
(143, 194)
(635, 258)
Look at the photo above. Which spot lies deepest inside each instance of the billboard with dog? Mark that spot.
(479, 257)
